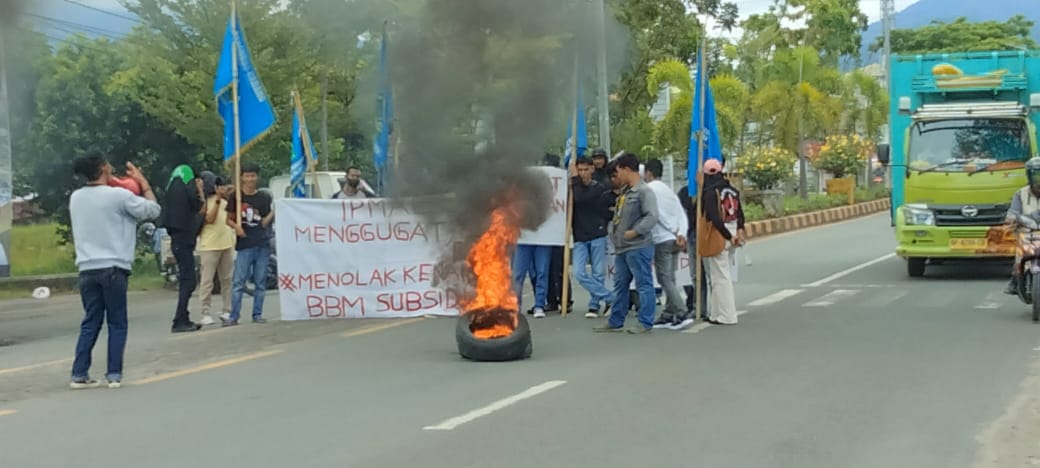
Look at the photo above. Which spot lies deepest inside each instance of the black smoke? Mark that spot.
(481, 88)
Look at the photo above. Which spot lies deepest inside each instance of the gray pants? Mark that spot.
(666, 260)
(691, 301)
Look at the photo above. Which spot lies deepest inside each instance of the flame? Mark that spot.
(496, 331)
(495, 305)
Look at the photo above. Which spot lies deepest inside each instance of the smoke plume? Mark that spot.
(479, 89)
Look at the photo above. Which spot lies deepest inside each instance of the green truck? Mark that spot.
(962, 127)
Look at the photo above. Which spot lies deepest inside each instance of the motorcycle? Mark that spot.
(1028, 247)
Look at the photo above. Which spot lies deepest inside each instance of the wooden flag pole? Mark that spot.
(701, 72)
(234, 99)
(565, 296)
(305, 137)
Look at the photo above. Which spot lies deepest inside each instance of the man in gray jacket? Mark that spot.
(635, 215)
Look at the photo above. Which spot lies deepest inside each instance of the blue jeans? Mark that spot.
(103, 293)
(628, 265)
(252, 261)
(532, 260)
(594, 252)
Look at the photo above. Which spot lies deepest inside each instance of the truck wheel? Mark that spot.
(915, 266)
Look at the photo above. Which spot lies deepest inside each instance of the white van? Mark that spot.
(328, 184)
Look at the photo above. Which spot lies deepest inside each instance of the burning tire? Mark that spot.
(514, 346)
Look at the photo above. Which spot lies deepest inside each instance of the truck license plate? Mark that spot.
(968, 244)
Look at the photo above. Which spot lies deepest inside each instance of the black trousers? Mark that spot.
(556, 279)
(184, 252)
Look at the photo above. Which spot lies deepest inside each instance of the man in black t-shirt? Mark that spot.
(253, 246)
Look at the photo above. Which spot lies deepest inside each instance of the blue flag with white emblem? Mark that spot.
(702, 120)
(255, 114)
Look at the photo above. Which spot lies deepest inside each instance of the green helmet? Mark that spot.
(182, 172)
(1033, 172)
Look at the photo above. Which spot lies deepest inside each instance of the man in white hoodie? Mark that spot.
(669, 236)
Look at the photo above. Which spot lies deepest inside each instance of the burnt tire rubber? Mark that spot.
(510, 348)
(915, 266)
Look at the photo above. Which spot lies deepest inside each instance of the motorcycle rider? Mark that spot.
(1026, 201)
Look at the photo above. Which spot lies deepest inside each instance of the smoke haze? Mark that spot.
(479, 86)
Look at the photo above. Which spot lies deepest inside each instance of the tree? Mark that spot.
(788, 108)
(79, 112)
(962, 36)
(866, 105)
(672, 134)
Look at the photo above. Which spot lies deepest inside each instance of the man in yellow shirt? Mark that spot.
(216, 246)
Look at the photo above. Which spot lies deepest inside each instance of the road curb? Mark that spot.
(816, 218)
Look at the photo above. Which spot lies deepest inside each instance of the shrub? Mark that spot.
(766, 167)
(843, 155)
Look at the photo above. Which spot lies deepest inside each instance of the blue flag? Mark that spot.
(702, 120)
(385, 104)
(255, 114)
(583, 133)
(299, 162)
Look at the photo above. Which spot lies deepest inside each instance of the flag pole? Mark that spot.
(701, 72)
(565, 296)
(305, 137)
(234, 99)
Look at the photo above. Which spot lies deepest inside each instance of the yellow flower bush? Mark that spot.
(844, 155)
(766, 167)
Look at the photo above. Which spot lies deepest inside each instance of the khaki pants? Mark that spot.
(216, 262)
(723, 303)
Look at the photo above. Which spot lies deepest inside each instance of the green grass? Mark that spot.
(36, 251)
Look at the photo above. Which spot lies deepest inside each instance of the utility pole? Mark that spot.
(888, 17)
(803, 171)
(325, 119)
(5, 167)
(604, 99)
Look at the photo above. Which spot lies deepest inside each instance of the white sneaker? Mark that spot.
(226, 316)
(207, 320)
(591, 314)
(539, 313)
(114, 384)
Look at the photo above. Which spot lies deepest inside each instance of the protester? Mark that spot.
(589, 230)
(216, 247)
(599, 167)
(104, 231)
(182, 217)
(353, 187)
(689, 205)
(253, 248)
(669, 236)
(635, 215)
(554, 294)
(722, 210)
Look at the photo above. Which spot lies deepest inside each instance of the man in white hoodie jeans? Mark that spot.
(104, 231)
(669, 236)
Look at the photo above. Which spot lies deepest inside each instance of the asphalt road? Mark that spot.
(838, 360)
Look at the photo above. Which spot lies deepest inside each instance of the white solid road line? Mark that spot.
(775, 297)
(831, 298)
(500, 404)
(844, 273)
(990, 303)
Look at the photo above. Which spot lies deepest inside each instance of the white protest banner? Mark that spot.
(552, 232)
(359, 258)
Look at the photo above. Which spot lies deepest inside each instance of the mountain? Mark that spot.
(925, 11)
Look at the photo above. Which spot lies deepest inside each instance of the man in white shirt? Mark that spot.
(669, 236)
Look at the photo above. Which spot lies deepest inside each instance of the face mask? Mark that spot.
(353, 183)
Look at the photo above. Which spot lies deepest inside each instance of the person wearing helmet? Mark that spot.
(1026, 201)
(599, 167)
